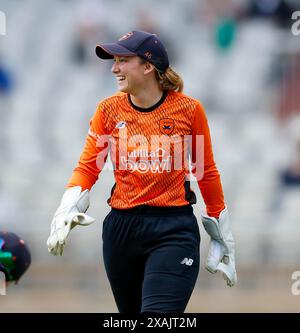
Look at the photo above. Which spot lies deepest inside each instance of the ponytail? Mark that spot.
(170, 80)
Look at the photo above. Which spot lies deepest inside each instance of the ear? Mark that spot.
(148, 68)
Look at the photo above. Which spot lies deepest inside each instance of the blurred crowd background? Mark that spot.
(240, 58)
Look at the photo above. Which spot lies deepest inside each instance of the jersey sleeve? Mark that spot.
(204, 166)
(94, 154)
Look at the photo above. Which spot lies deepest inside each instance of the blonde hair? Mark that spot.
(169, 80)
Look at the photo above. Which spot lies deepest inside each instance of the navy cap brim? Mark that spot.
(108, 51)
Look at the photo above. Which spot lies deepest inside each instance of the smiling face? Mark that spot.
(130, 73)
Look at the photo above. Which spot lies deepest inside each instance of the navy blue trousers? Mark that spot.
(151, 257)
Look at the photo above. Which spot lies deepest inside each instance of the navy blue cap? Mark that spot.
(143, 44)
(14, 245)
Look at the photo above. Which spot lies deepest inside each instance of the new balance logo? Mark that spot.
(187, 261)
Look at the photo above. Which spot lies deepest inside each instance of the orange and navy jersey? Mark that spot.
(150, 151)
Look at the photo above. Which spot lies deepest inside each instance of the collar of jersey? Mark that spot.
(151, 108)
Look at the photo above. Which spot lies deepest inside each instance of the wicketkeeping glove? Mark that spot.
(69, 214)
(221, 253)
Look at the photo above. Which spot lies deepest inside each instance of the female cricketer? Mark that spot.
(158, 140)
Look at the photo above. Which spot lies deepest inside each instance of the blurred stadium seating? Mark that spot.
(52, 101)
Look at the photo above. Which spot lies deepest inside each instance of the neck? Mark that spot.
(146, 98)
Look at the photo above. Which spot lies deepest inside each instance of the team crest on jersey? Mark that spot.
(121, 124)
(166, 125)
(129, 34)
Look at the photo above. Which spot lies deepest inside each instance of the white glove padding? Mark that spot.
(221, 254)
(69, 214)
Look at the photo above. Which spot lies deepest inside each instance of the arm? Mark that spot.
(215, 219)
(203, 165)
(94, 154)
(75, 201)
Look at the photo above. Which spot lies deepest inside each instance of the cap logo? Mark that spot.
(148, 55)
(129, 34)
